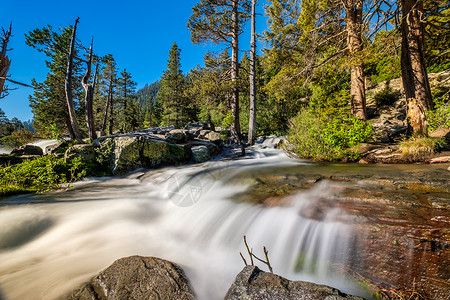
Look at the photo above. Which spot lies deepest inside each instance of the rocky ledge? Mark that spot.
(138, 277)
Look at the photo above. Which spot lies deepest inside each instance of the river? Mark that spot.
(192, 215)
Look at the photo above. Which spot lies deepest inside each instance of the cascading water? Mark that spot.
(51, 243)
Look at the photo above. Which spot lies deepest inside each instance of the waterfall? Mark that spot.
(51, 243)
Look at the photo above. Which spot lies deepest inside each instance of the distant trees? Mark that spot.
(175, 106)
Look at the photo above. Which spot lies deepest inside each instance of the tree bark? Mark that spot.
(252, 119)
(414, 72)
(89, 97)
(354, 10)
(235, 126)
(68, 87)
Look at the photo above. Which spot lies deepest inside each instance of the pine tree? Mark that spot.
(221, 22)
(126, 88)
(48, 101)
(171, 95)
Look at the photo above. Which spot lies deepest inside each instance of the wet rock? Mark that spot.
(197, 125)
(441, 133)
(214, 137)
(27, 150)
(253, 284)
(57, 148)
(83, 151)
(200, 154)
(178, 136)
(137, 277)
(203, 134)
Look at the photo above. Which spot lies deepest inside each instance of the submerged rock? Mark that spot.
(254, 284)
(137, 277)
(27, 150)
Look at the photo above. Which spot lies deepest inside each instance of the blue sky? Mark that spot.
(138, 34)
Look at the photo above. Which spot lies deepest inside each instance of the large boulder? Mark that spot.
(84, 151)
(137, 277)
(178, 136)
(122, 154)
(27, 150)
(214, 137)
(200, 154)
(253, 284)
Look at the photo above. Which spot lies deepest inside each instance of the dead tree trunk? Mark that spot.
(5, 63)
(252, 119)
(89, 97)
(414, 72)
(235, 126)
(68, 86)
(354, 11)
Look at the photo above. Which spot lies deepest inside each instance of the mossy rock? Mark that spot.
(122, 154)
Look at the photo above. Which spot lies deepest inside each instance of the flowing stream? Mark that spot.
(51, 243)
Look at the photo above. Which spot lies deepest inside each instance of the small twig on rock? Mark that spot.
(250, 253)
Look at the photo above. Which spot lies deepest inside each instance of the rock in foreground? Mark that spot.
(254, 284)
(137, 277)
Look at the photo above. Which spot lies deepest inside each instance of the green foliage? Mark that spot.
(326, 138)
(48, 102)
(437, 38)
(172, 93)
(10, 142)
(440, 116)
(40, 174)
(387, 96)
(382, 58)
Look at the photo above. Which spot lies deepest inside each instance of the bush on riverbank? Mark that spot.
(326, 137)
(418, 148)
(40, 174)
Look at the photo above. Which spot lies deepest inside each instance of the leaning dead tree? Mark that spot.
(89, 94)
(252, 119)
(68, 86)
(5, 63)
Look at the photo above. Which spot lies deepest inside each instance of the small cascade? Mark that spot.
(186, 215)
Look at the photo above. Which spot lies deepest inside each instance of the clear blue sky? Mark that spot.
(138, 34)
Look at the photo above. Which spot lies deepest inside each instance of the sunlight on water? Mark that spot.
(56, 241)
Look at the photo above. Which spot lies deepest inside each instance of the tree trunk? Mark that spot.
(235, 126)
(5, 63)
(105, 116)
(89, 98)
(354, 10)
(68, 87)
(111, 106)
(414, 72)
(252, 119)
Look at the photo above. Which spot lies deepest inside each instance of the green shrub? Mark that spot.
(325, 138)
(386, 96)
(440, 116)
(40, 174)
(10, 142)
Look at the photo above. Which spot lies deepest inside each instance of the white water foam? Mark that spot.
(58, 240)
